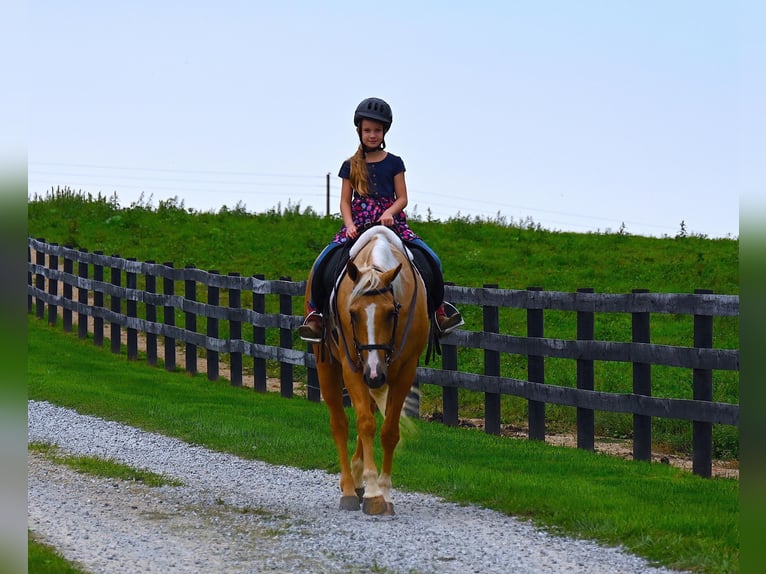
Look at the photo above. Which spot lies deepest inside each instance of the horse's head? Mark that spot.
(373, 313)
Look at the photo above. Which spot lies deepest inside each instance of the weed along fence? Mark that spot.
(210, 313)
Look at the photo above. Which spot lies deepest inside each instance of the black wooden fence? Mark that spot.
(98, 276)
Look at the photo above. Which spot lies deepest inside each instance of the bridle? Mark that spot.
(389, 347)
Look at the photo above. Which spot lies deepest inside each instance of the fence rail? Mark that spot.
(54, 265)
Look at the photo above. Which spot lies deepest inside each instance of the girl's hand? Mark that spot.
(387, 219)
(351, 231)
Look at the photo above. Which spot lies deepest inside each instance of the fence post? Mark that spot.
(131, 281)
(213, 300)
(235, 334)
(702, 432)
(151, 317)
(585, 379)
(259, 338)
(82, 297)
(450, 408)
(98, 301)
(40, 281)
(66, 313)
(642, 385)
(53, 286)
(115, 307)
(491, 368)
(536, 372)
(29, 278)
(168, 289)
(286, 342)
(190, 322)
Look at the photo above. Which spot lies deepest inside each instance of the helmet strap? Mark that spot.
(366, 150)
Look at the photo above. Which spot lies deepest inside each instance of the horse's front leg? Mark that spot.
(373, 501)
(390, 433)
(357, 461)
(332, 393)
(389, 438)
(357, 468)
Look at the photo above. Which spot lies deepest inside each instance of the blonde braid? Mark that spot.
(358, 177)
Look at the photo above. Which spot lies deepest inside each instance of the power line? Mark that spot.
(177, 180)
(40, 174)
(158, 169)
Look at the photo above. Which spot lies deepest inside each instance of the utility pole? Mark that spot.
(328, 194)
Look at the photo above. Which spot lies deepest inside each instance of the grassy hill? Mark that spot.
(284, 243)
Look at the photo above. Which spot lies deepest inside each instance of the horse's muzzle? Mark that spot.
(374, 381)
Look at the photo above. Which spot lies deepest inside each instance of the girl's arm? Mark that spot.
(345, 208)
(400, 191)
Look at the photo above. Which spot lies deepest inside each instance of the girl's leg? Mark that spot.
(419, 242)
(312, 327)
(311, 306)
(447, 319)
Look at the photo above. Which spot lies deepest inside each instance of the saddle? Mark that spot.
(334, 264)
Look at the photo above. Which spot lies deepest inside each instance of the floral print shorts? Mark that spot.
(367, 210)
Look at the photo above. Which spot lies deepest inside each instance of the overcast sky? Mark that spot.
(580, 116)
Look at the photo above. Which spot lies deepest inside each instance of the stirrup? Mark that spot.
(308, 332)
(453, 319)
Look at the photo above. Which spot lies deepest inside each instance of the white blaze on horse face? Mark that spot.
(373, 357)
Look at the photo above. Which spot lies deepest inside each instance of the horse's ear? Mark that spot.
(390, 275)
(352, 270)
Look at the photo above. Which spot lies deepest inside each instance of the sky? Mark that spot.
(586, 116)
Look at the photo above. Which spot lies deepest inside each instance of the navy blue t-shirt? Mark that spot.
(380, 175)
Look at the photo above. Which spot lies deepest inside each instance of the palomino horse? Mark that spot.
(377, 328)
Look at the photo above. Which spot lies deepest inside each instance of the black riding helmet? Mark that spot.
(373, 109)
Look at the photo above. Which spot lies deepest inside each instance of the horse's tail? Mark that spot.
(410, 409)
(412, 403)
(381, 398)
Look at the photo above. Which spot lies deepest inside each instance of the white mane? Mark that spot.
(384, 243)
(382, 233)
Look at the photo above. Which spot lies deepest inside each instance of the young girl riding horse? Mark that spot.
(373, 191)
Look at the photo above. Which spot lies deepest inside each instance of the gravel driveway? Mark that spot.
(234, 515)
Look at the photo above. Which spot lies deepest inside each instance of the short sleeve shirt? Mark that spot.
(380, 175)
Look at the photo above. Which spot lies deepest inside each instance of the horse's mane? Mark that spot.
(368, 281)
(375, 253)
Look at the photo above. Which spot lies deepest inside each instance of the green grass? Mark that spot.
(43, 559)
(474, 253)
(104, 468)
(662, 513)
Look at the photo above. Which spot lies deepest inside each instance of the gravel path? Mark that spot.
(236, 516)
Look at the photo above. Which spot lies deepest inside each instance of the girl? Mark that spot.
(373, 190)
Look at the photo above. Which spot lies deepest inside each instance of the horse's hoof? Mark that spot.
(360, 494)
(376, 505)
(349, 502)
(389, 509)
